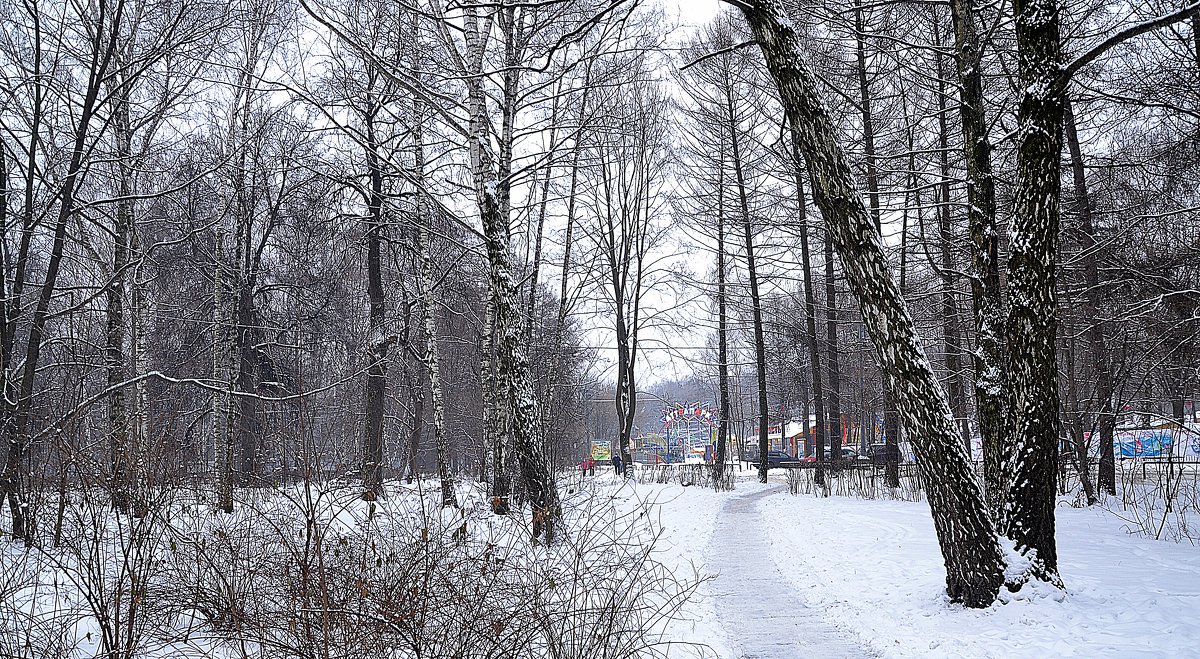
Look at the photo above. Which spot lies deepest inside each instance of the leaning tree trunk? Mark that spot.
(990, 358)
(1031, 278)
(973, 556)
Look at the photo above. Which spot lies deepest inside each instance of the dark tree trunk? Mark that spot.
(248, 435)
(722, 334)
(760, 347)
(810, 316)
(18, 440)
(1093, 304)
(950, 326)
(972, 553)
(990, 358)
(416, 398)
(1031, 324)
(378, 341)
(831, 353)
(891, 418)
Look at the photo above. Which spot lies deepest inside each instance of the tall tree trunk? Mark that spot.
(222, 438)
(1094, 302)
(103, 44)
(495, 417)
(114, 349)
(1078, 446)
(950, 327)
(379, 339)
(722, 331)
(560, 320)
(891, 418)
(492, 198)
(416, 398)
(831, 352)
(990, 358)
(760, 347)
(973, 557)
(1031, 278)
(810, 315)
(432, 356)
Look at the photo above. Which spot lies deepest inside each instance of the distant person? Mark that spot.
(617, 465)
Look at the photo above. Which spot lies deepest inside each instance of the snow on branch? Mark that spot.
(1128, 33)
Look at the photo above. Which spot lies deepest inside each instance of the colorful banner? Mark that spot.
(1153, 442)
(1143, 443)
(601, 450)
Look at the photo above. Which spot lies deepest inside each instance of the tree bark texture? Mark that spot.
(491, 192)
(972, 552)
(1031, 326)
(990, 358)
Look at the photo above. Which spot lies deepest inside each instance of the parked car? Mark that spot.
(877, 454)
(774, 459)
(849, 455)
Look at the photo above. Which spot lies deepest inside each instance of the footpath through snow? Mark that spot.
(801, 576)
(763, 615)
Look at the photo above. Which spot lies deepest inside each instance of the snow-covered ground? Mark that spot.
(872, 569)
(862, 576)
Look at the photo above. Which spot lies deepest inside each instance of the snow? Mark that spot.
(874, 568)
(829, 576)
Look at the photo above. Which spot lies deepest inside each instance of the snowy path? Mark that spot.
(760, 611)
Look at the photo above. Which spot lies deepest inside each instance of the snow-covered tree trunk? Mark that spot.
(491, 194)
(973, 556)
(428, 302)
(990, 358)
(1031, 328)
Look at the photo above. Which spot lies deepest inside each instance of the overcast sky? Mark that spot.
(693, 12)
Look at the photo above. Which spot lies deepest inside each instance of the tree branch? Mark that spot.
(1128, 33)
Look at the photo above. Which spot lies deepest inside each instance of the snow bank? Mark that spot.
(874, 568)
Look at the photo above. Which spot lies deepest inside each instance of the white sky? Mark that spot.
(692, 12)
